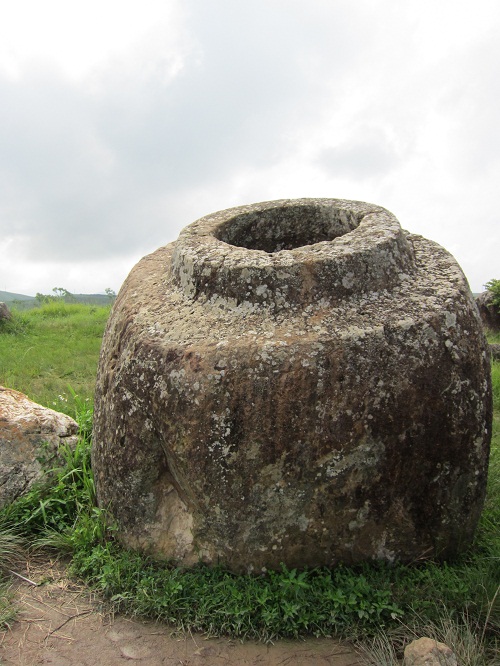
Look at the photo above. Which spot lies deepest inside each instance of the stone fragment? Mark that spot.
(30, 437)
(428, 652)
(495, 351)
(489, 311)
(5, 313)
(295, 381)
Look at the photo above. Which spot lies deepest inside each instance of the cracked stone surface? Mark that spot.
(30, 437)
(297, 381)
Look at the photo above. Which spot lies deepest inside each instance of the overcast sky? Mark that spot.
(122, 121)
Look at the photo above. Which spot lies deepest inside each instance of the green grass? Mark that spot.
(495, 379)
(458, 600)
(10, 553)
(48, 349)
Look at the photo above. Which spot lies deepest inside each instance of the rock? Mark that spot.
(296, 381)
(30, 436)
(489, 311)
(5, 313)
(495, 351)
(428, 652)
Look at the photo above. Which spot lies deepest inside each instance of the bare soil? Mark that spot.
(62, 624)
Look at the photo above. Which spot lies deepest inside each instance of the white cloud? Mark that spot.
(77, 37)
(121, 122)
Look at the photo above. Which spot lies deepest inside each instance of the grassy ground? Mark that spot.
(52, 351)
(382, 606)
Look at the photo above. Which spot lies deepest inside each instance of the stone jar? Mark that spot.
(295, 381)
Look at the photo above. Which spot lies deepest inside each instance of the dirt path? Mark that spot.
(60, 624)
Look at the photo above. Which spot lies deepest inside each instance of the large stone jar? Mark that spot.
(296, 381)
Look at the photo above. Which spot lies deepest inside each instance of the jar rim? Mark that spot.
(350, 247)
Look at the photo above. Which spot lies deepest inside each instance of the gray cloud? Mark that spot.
(111, 165)
(368, 154)
(85, 165)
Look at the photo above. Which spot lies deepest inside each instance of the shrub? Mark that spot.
(493, 286)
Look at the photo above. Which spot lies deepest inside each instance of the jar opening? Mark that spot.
(287, 227)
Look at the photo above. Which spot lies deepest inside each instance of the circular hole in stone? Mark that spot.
(287, 227)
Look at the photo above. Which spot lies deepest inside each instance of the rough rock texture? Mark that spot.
(428, 652)
(296, 381)
(495, 351)
(5, 313)
(30, 436)
(489, 312)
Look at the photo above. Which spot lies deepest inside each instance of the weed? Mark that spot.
(11, 547)
(84, 412)
(7, 609)
(11, 550)
(463, 634)
(493, 286)
(379, 650)
(216, 601)
(18, 324)
(458, 631)
(495, 381)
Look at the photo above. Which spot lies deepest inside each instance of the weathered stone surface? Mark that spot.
(489, 312)
(297, 381)
(495, 351)
(30, 436)
(5, 313)
(428, 652)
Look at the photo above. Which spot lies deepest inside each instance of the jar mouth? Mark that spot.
(291, 253)
(287, 228)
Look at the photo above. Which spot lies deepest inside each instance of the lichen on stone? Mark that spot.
(305, 382)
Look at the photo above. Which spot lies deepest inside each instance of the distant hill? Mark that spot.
(9, 296)
(90, 299)
(25, 302)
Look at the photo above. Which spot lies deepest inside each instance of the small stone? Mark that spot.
(5, 313)
(495, 351)
(429, 652)
(489, 311)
